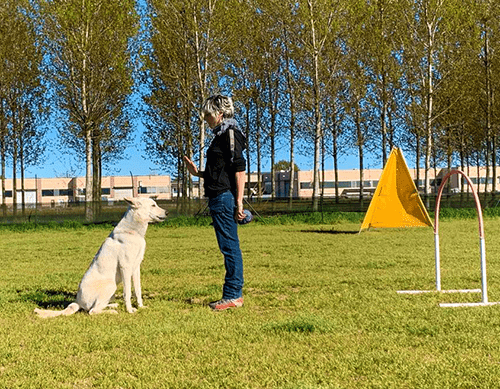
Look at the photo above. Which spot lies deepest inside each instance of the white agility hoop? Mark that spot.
(482, 249)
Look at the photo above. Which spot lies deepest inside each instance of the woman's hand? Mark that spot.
(240, 190)
(239, 214)
(191, 167)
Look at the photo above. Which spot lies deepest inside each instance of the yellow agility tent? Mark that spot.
(396, 202)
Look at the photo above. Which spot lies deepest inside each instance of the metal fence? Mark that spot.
(111, 213)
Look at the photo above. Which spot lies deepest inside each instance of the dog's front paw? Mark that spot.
(131, 310)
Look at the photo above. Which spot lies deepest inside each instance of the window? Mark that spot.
(57, 192)
(153, 189)
(366, 184)
(327, 184)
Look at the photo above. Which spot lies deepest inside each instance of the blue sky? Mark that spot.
(62, 164)
(59, 164)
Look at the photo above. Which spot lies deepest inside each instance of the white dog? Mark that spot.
(118, 259)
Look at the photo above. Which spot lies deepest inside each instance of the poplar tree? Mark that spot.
(381, 27)
(320, 21)
(458, 85)
(428, 23)
(182, 64)
(488, 21)
(292, 90)
(22, 93)
(5, 38)
(267, 44)
(88, 44)
(252, 60)
(243, 69)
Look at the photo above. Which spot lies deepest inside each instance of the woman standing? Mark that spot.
(224, 183)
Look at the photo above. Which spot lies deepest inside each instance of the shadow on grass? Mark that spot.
(196, 301)
(48, 298)
(332, 232)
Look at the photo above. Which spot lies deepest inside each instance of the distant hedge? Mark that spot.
(278, 219)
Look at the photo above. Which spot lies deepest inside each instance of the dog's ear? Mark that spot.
(133, 202)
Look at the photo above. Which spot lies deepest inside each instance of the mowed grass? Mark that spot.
(321, 311)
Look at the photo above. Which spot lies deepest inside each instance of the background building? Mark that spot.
(61, 191)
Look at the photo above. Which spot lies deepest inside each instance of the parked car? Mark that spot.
(354, 193)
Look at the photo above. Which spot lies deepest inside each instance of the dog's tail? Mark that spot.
(46, 313)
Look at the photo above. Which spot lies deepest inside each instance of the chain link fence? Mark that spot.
(112, 212)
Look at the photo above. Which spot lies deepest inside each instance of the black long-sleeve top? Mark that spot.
(222, 164)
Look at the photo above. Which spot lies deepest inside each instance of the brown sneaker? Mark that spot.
(224, 304)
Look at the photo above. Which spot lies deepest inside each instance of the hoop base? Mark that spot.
(456, 305)
(439, 291)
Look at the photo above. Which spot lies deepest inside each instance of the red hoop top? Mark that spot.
(476, 198)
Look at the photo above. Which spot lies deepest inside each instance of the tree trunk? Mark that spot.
(322, 196)
(383, 124)
(417, 161)
(21, 163)
(292, 123)
(292, 159)
(259, 162)
(428, 119)
(89, 215)
(360, 150)
(96, 182)
(317, 111)
(272, 134)
(336, 167)
(14, 176)
(489, 104)
(4, 170)
(247, 133)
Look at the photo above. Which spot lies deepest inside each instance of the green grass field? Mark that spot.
(321, 310)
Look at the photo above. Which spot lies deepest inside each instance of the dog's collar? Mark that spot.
(124, 231)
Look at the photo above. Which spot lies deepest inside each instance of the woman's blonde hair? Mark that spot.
(217, 104)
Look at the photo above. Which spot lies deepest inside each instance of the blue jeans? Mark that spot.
(222, 210)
